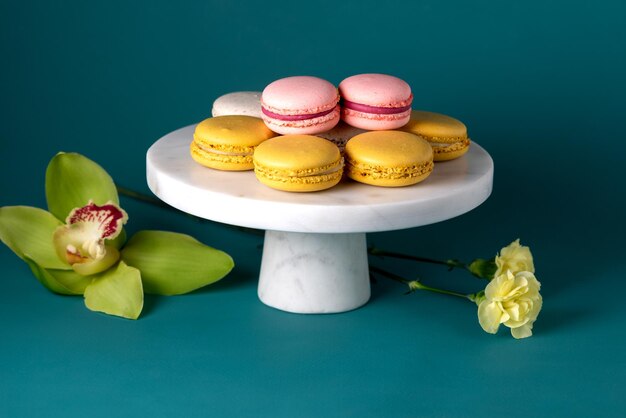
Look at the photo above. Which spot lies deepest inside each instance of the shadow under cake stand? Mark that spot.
(315, 252)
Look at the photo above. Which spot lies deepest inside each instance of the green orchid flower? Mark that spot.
(85, 254)
(81, 241)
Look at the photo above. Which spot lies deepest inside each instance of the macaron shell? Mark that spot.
(232, 130)
(228, 142)
(246, 103)
(379, 90)
(388, 158)
(374, 122)
(301, 184)
(436, 125)
(447, 135)
(299, 95)
(298, 163)
(383, 181)
(452, 151)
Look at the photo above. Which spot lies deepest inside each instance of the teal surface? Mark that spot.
(540, 85)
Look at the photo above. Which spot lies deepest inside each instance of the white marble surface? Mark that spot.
(237, 198)
(314, 273)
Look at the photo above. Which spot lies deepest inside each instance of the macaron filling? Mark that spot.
(208, 157)
(231, 151)
(377, 110)
(297, 117)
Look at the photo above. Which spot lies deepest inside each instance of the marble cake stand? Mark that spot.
(314, 254)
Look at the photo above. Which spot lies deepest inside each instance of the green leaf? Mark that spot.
(173, 264)
(117, 291)
(72, 180)
(28, 232)
(63, 282)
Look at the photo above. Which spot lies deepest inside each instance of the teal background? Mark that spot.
(540, 85)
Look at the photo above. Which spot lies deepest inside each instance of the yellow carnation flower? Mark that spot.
(514, 257)
(511, 299)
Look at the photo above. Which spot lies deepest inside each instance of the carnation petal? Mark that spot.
(499, 287)
(522, 332)
(514, 257)
(536, 308)
(489, 316)
(514, 311)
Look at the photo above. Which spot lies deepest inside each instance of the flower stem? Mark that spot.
(449, 263)
(417, 285)
(141, 197)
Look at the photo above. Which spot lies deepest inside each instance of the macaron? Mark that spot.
(238, 103)
(341, 134)
(300, 105)
(375, 101)
(298, 163)
(447, 136)
(228, 142)
(388, 158)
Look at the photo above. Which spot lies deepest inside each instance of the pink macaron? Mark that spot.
(300, 105)
(375, 101)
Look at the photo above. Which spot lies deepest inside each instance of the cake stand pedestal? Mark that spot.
(315, 253)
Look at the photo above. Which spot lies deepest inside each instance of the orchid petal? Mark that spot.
(46, 279)
(173, 264)
(64, 282)
(28, 231)
(75, 282)
(72, 180)
(117, 291)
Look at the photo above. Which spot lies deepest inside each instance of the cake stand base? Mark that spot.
(314, 273)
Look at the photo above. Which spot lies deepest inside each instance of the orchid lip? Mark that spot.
(108, 217)
(81, 241)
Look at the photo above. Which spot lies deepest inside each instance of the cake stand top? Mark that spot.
(237, 198)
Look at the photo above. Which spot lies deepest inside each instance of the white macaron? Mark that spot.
(247, 103)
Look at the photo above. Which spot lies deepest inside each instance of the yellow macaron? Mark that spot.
(228, 142)
(388, 158)
(298, 163)
(447, 136)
